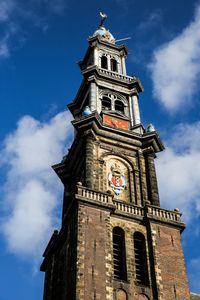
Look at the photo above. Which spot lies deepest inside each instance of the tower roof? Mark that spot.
(104, 34)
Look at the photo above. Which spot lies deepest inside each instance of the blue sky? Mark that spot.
(41, 42)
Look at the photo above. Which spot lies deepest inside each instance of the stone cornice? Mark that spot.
(129, 210)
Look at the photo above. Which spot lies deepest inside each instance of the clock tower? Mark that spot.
(116, 242)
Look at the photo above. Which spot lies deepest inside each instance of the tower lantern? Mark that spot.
(115, 242)
(106, 87)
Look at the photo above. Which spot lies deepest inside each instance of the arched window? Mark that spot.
(121, 295)
(140, 259)
(119, 254)
(104, 62)
(106, 103)
(119, 106)
(113, 65)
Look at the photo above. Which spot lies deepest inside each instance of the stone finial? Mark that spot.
(147, 202)
(151, 128)
(177, 209)
(86, 111)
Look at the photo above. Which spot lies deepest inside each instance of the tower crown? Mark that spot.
(106, 88)
(104, 34)
(101, 32)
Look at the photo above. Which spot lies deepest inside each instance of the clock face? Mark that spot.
(115, 122)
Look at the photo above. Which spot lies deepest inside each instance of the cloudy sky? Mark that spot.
(41, 42)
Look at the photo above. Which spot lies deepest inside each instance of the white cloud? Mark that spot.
(31, 191)
(15, 15)
(6, 7)
(178, 170)
(175, 67)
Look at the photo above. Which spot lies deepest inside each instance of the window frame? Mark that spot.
(104, 62)
(113, 64)
(103, 103)
(118, 103)
(140, 255)
(119, 254)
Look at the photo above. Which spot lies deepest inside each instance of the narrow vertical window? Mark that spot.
(140, 259)
(113, 65)
(106, 103)
(104, 62)
(119, 255)
(119, 106)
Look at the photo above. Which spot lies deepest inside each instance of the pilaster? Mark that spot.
(93, 96)
(152, 185)
(89, 164)
(136, 111)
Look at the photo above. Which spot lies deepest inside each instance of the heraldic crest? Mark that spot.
(116, 179)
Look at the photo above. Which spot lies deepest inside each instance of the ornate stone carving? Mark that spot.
(116, 179)
(117, 173)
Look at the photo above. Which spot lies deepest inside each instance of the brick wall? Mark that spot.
(170, 266)
(93, 254)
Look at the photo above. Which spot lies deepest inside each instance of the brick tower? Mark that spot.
(115, 242)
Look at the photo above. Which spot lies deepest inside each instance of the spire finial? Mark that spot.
(103, 18)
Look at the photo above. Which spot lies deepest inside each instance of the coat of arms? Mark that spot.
(116, 179)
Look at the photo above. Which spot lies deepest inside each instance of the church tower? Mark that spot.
(115, 242)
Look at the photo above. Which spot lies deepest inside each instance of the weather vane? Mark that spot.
(103, 18)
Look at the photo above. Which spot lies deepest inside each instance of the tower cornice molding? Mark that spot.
(94, 128)
(142, 140)
(148, 212)
(116, 85)
(125, 80)
(94, 41)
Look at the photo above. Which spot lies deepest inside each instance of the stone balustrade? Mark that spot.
(130, 209)
(116, 75)
(164, 213)
(93, 195)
